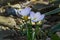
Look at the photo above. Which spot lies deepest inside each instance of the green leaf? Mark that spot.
(33, 35)
(53, 11)
(56, 28)
(29, 31)
(55, 2)
(55, 37)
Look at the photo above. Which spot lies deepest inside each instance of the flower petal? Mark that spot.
(34, 20)
(42, 17)
(32, 14)
(18, 13)
(37, 16)
(25, 11)
(15, 11)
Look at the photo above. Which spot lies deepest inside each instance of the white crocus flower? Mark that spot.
(25, 12)
(35, 17)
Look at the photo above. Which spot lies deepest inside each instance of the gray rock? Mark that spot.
(48, 38)
(7, 21)
(58, 33)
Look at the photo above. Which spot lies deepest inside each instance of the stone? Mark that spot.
(4, 2)
(46, 26)
(58, 33)
(16, 6)
(7, 21)
(48, 38)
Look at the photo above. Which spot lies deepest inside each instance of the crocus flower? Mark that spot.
(35, 17)
(25, 12)
(16, 12)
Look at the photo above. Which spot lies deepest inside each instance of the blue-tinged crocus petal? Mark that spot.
(25, 12)
(35, 17)
(15, 10)
(32, 14)
(42, 17)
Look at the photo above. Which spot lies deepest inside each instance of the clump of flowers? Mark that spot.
(26, 12)
(34, 17)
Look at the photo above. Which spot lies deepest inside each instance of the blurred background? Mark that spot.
(10, 23)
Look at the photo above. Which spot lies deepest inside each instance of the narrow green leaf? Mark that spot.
(33, 35)
(55, 2)
(55, 37)
(29, 32)
(53, 11)
(56, 28)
